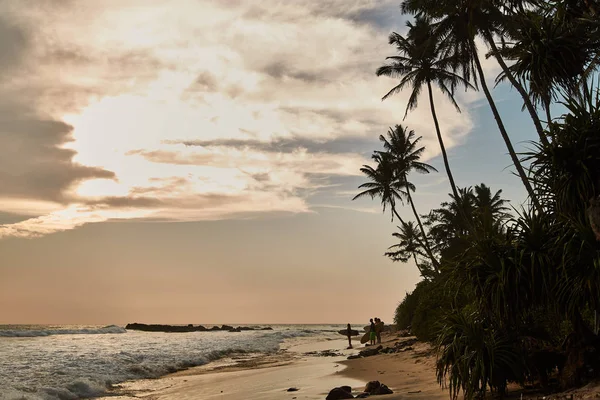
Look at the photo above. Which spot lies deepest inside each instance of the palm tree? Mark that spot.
(410, 245)
(383, 183)
(401, 144)
(550, 54)
(456, 25)
(419, 63)
(490, 209)
(467, 18)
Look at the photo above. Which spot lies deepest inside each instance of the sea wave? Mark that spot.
(48, 332)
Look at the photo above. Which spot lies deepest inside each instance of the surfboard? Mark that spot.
(365, 338)
(344, 332)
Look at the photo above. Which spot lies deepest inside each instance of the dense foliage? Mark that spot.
(507, 295)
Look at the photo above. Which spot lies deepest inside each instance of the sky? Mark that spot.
(194, 161)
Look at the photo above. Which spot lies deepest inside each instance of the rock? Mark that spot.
(164, 328)
(370, 352)
(362, 395)
(215, 328)
(405, 343)
(293, 389)
(267, 328)
(375, 387)
(344, 392)
(235, 330)
(354, 356)
(226, 328)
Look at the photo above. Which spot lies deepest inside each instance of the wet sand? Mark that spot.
(409, 374)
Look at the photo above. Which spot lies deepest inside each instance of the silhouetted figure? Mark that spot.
(372, 334)
(378, 329)
(349, 336)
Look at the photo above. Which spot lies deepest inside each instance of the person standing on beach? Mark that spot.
(349, 336)
(378, 329)
(372, 334)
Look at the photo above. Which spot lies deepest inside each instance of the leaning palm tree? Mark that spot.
(401, 144)
(457, 23)
(410, 245)
(383, 183)
(419, 64)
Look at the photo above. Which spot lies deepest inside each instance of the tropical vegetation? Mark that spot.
(510, 294)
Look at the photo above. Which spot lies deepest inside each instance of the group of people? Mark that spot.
(375, 330)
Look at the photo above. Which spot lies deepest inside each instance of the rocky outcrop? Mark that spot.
(376, 387)
(189, 328)
(338, 393)
(164, 328)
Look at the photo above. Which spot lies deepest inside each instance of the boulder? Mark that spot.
(370, 352)
(342, 392)
(226, 328)
(215, 328)
(293, 389)
(376, 387)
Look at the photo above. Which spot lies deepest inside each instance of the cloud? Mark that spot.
(204, 110)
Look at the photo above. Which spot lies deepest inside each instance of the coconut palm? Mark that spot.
(457, 23)
(419, 64)
(401, 144)
(411, 245)
(460, 21)
(383, 183)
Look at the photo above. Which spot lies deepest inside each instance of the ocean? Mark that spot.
(65, 362)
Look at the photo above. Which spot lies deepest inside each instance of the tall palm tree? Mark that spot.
(467, 18)
(383, 183)
(401, 144)
(457, 23)
(418, 64)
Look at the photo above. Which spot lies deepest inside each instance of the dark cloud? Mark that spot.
(13, 43)
(32, 164)
(386, 17)
(125, 202)
(339, 145)
(280, 69)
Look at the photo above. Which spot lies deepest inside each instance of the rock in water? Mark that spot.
(338, 393)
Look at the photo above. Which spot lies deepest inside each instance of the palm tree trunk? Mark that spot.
(548, 115)
(441, 141)
(417, 264)
(434, 262)
(397, 216)
(536, 119)
(504, 134)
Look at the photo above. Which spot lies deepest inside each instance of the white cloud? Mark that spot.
(132, 77)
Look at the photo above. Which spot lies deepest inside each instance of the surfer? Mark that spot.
(349, 336)
(372, 334)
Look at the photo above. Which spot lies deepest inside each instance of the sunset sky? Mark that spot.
(194, 161)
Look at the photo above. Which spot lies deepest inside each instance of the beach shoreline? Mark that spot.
(313, 368)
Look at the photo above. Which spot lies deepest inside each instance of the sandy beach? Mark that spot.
(410, 374)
